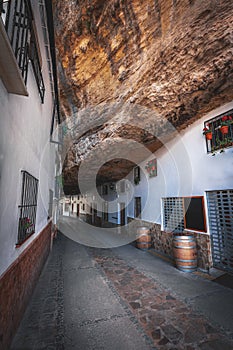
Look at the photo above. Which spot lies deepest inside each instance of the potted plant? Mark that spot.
(207, 132)
(225, 122)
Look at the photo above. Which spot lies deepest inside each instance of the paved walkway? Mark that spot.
(123, 299)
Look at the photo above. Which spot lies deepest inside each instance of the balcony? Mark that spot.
(18, 47)
(218, 140)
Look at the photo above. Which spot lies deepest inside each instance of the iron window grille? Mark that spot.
(173, 214)
(27, 207)
(36, 65)
(219, 141)
(220, 211)
(17, 17)
(184, 213)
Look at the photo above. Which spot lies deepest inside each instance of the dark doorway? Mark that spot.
(122, 214)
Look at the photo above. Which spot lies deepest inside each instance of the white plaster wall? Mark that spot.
(24, 145)
(184, 169)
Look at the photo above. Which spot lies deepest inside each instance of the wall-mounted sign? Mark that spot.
(151, 167)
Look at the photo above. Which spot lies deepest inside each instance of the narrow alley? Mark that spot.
(122, 298)
(116, 175)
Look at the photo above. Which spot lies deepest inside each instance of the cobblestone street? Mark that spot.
(90, 298)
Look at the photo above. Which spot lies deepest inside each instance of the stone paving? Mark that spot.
(94, 299)
(169, 322)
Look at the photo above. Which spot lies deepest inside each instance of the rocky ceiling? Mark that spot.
(132, 72)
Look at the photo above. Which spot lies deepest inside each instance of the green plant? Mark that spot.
(206, 131)
(221, 145)
(25, 223)
(226, 120)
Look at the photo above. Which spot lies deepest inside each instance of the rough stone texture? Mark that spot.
(162, 242)
(18, 282)
(172, 58)
(168, 321)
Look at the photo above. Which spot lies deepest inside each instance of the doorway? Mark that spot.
(122, 214)
(220, 212)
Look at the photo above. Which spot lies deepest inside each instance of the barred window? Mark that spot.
(173, 214)
(19, 24)
(181, 213)
(219, 132)
(27, 207)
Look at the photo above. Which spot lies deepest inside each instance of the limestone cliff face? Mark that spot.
(171, 57)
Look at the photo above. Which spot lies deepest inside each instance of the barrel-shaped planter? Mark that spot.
(143, 238)
(185, 253)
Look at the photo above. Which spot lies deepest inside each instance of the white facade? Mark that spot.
(184, 169)
(24, 145)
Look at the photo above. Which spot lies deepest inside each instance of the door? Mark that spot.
(105, 211)
(220, 212)
(122, 214)
(137, 207)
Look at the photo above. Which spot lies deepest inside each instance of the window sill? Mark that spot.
(18, 245)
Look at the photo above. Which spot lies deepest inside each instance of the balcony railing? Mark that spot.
(34, 57)
(17, 18)
(219, 140)
(27, 207)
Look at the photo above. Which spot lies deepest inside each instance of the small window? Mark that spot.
(194, 218)
(137, 175)
(180, 213)
(173, 214)
(27, 207)
(83, 206)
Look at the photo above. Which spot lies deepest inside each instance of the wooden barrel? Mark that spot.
(143, 238)
(185, 253)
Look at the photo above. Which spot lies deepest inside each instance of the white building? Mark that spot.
(28, 115)
(191, 170)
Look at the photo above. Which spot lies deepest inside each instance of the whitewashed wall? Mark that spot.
(184, 169)
(24, 145)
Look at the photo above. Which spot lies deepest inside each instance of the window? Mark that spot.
(27, 207)
(181, 213)
(17, 17)
(173, 214)
(137, 207)
(136, 175)
(219, 140)
(83, 206)
(35, 58)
